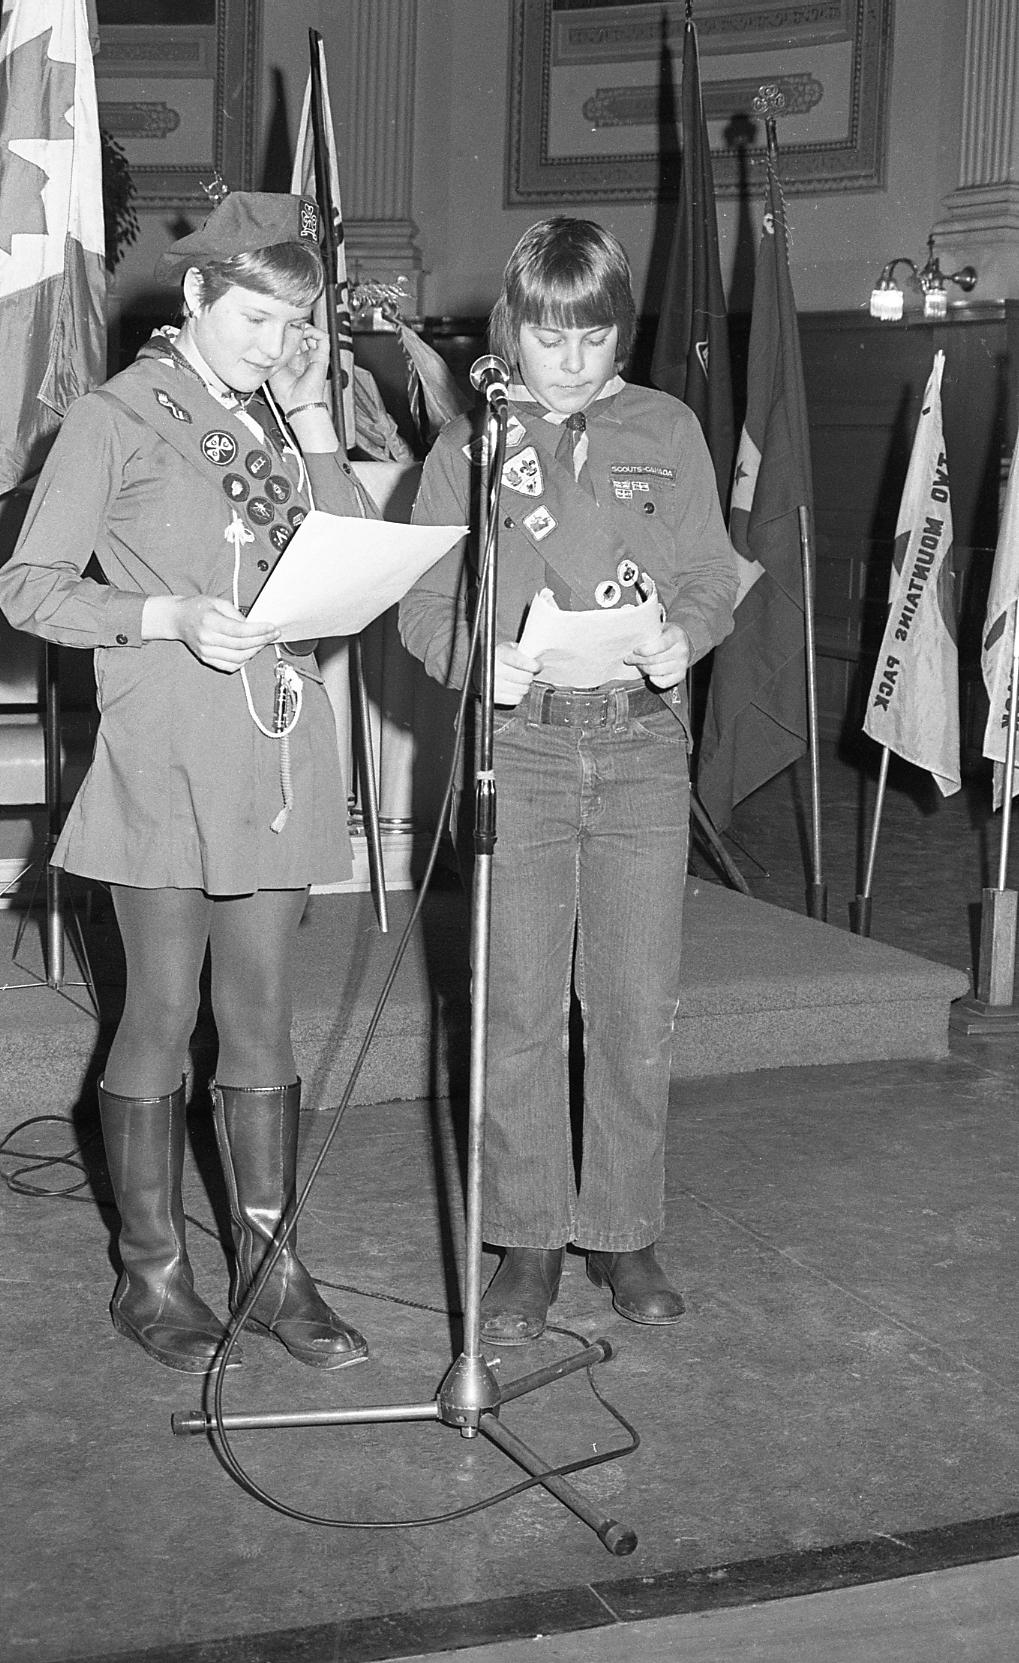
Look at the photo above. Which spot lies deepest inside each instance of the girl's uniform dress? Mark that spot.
(592, 800)
(179, 491)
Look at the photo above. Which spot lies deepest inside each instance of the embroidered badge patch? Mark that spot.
(296, 515)
(176, 410)
(523, 473)
(626, 489)
(309, 220)
(219, 447)
(260, 512)
(235, 486)
(280, 536)
(477, 452)
(258, 463)
(539, 523)
(277, 489)
(647, 470)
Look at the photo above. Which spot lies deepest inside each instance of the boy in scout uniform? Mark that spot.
(608, 500)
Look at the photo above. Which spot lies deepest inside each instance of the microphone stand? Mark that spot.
(469, 1397)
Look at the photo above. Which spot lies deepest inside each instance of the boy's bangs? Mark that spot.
(559, 308)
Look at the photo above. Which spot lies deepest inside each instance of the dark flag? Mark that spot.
(691, 356)
(755, 723)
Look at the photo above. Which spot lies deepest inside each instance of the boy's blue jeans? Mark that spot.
(591, 848)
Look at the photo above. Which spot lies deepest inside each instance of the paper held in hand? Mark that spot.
(587, 649)
(337, 574)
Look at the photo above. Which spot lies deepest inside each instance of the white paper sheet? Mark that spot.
(337, 574)
(586, 649)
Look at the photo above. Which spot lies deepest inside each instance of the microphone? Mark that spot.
(490, 375)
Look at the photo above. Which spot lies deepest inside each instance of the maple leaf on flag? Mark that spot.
(36, 96)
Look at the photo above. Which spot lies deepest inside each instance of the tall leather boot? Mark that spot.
(155, 1303)
(256, 1128)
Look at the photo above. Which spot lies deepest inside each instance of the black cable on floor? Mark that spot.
(19, 1182)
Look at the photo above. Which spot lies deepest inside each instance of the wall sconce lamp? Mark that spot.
(886, 299)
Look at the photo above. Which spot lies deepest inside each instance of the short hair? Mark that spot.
(291, 272)
(566, 274)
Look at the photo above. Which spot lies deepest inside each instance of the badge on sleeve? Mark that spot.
(539, 523)
(219, 447)
(523, 473)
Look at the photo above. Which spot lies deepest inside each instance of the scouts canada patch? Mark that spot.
(635, 479)
(539, 523)
(523, 473)
(219, 447)
(176, 410)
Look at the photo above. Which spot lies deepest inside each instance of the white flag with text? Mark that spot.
(913, 706)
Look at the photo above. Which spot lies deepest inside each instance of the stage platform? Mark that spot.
(763, 988)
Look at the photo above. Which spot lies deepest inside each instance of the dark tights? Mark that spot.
(165, 933)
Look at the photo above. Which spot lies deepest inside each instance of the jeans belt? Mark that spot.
(560, 707)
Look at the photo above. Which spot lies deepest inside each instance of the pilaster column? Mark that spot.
(980, 219)
(373, 46)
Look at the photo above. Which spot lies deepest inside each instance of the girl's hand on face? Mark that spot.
(664, 660)
(514, 673)
(301, 379)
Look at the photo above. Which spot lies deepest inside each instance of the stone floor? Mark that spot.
(836, 1409)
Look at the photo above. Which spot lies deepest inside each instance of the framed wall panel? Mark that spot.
(594, 92)
(177, 83)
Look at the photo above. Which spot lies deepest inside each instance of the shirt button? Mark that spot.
(508, 523)
(649, 508)
(263, 565)
(346, 467)
(121, 640)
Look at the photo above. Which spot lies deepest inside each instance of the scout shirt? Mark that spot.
(645, 501)
(150, 472)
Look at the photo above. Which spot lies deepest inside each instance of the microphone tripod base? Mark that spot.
(469, 1389)
(469, 1399)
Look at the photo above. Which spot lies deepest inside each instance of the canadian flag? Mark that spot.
(52, 243)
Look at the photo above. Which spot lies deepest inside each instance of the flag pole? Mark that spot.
(369, 783)
(861, 919)
(996, 964)
(992, 1010)
(767, 102)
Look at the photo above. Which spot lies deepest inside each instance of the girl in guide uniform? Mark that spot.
(607, 488)
(214, 798)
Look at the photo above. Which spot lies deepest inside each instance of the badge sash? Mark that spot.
(595, 547)
(252, 480)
